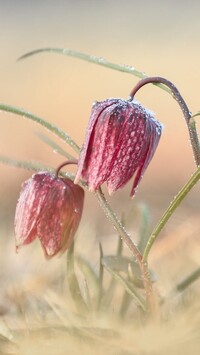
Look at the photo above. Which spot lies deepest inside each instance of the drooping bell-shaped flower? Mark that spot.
(120, 142)
(50, 208)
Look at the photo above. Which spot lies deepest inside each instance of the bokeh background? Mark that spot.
(157, 37)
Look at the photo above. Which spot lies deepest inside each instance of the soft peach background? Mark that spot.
(158, 37)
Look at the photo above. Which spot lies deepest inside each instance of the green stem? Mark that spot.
(118, 225)
(134, 250)
(170, 210)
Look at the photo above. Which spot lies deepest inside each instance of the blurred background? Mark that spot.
(157, 37)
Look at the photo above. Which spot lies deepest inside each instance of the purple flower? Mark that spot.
(120, 142)
(49, 208)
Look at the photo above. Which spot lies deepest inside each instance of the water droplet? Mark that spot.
(102, 59)
(94, 103)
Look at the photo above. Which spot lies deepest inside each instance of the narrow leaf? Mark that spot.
(89, 273)
(24, 164)
(144, 226)
(31, 165)
(109, 293)
(128, 266)
(100, 264)
(56, 148)
(116, 263)
(86, 57)
(101, 274)
(192, 121)
(128, 287)
(126, 301)
(73, 282)
(93, 59)
(195, 114)
(189, 280)
(52, 128)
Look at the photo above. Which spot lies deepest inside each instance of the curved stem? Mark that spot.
(133, 248)
(67, 162)
(172, 207)
(187, 114)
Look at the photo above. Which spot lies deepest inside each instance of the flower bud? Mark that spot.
(120, 141)
(49, 208)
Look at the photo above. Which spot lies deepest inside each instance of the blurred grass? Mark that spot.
(38, 315)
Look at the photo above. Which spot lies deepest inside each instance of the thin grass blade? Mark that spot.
(144, 227)
(31, 165)
(24, 164)
(73, 283)
(189, 280)
(126, 301)
(56, 148)
(89, 274)
(108, 295)
(128, 287)
(100, 278)
(52, 128)
(93, 59)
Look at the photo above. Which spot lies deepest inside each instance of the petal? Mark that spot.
(55, 213)
(97, 109)
(77, 207)
(155, 129)
(56, 226)
(29, 206)
(129, 155)
(107, 133)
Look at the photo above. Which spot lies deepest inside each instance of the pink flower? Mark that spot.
(49, 208)
(120, 141)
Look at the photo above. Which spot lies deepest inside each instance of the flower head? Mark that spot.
(49, 208)
(120, 142)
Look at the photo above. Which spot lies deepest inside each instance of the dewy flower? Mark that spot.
(120, 142)
(49, 208)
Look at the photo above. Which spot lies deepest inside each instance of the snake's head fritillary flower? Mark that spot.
(120, 141)
(50, 208)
